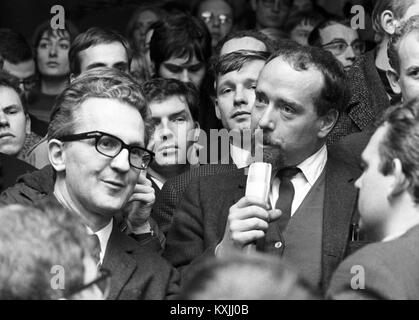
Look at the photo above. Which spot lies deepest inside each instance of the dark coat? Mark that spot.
(10, 169)
(390, 271)
(368, 99)
(200, 220)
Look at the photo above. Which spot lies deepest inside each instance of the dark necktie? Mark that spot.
(96, 248)
(286, 195)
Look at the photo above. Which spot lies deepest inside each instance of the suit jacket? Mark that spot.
(389, 270)
(138, 271)
(200, 220)
(10, 169)
(368, 99)
(174, 188)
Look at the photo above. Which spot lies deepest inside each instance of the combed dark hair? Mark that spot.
(334, 94)
(160, 89)
(69, 27)
(401, 141)
(397, 7)
(315, 39)
(13, 47)
(9, 81)
(401, 32)
(234, 61)
(270, 44)
(33, 241)
(100, 82)
(93, 37)
(295, 19)
(179, 36)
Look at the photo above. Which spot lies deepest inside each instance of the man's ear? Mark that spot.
(56, 154)
(217, 109)
(28, 124)
(327, 122)
(388, 22)
(393, 78)
(400, 183)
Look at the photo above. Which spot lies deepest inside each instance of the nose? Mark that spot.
(216, 22)
(265, 120)
(185, 77)
(21, 87)
(164, 132)
(350, 54)
(4, 121)
(239, 97)
(358, 182)
(53, 50)
(121, 161)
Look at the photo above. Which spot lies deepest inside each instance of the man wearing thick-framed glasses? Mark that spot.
(96, 145)
(337, 37)
(271, 13)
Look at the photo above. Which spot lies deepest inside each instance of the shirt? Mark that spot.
(311, 169)
(239, 156)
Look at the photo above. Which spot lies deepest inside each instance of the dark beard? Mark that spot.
(275, 157)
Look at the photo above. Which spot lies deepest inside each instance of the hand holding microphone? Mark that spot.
(249, 218)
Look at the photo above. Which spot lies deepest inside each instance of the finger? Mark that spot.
(244, 238)
(143, 180)
(248, 225)
(248, 212)
(274, 214)
(247, 201)
(143, 189)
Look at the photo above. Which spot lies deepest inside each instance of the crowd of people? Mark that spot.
(124, 158)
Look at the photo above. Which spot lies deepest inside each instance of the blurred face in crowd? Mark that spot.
(172, 121)
(374, 189)
(244, 43)
(343, 42)
(285, 110)
(24, 72)
(301, 32)
(150, 65)
(270, 13)
(236, 95)
(97, 183)
(144, 20)
(14, 123)
(111, 55)
(218, 16)
(52, 54)
(406, 80)
(183, 69)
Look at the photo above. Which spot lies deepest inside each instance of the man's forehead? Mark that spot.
(171, 105)
(244, 43)
(249, 69)
(409, 47)
(102, 51)
(184, 61)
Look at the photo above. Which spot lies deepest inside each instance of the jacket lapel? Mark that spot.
(118, 261)
(339, 207)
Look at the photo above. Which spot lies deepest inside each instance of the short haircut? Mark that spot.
(11, 82)
(234, 61)
(13, 47)
(401, 141)
(269, 44)
(179, 36)
(312, 17)
(315, 39)
(90, 38)
(34, 241)
(397, 7)
(245, 277)
(160, 89)
(402, 32)
(106, 83)
(334, 94)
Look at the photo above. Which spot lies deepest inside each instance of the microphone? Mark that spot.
(258, 186)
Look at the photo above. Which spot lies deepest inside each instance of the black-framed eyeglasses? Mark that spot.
(338, 47)
(210, 17)
(103, 281)
(111, 146)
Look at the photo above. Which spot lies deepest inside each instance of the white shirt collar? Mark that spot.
(103, 234)
(239, 156)
(313, 166)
